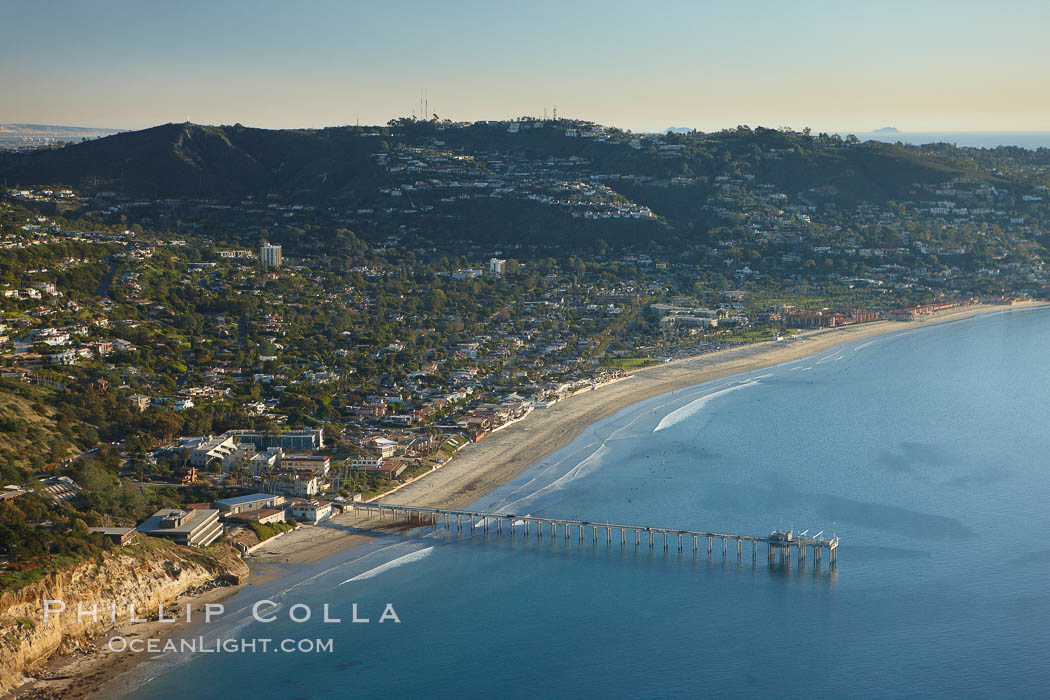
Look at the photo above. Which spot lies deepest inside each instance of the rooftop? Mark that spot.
(258, 514)
(190, 521)
(249, 498)
(120, 531)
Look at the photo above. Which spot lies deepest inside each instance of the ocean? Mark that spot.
(972, 139)
(925, 451)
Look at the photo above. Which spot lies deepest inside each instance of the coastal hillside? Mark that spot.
(179, 160)
(32, 433)
(507, 181)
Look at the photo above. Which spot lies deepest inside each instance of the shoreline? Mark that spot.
(479, 468)
(484, 466)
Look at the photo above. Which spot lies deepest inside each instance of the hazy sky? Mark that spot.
(845, 65)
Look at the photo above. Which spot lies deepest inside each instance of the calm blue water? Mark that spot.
(926, 451)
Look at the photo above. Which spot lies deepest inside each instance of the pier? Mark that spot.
(778, 545)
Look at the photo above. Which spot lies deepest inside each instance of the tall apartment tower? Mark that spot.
(270, 255)
(497, 267)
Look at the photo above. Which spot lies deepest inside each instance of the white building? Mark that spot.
(222, 449)
(270, 255)
(192, 527)
(139, 402)
(497, 266)
(317, 465)
(265, 461)
(310, 511)
(294, 486)
(366, 463)
(382, 447)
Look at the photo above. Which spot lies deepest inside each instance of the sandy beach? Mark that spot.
(481, 467)
(499, 458)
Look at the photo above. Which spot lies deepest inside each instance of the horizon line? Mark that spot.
(472, 121)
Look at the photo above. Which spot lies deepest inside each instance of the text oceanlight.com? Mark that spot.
(200, 645)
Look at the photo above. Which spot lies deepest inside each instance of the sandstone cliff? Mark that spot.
(146, 575)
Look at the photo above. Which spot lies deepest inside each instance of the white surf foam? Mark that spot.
(392, 564)
(285, 591)
(692, 408)
(587, 465)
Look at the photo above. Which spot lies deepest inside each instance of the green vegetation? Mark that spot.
(338, 166)
(265, 531)
(31, 571)
(133, 314)
(629, 363)
(754, 336)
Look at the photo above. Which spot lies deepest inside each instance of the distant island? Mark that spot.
(887, 130)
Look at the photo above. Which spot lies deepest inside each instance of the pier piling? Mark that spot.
(778, 544)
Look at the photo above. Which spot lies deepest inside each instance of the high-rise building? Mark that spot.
(270, 255)
(497, 267)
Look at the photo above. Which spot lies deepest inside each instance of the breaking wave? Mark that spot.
(392, 564)
(692, 408)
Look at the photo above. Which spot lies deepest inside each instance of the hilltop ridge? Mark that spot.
(553, 177)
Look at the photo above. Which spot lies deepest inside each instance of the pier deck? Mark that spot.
(778, 544)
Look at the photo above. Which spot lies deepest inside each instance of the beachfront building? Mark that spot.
(310, 511)
(387, 468)
(265, 516)
(250, 502)
(194, 527)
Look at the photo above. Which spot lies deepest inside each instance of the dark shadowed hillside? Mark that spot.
(526, 180)
(188, 160)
